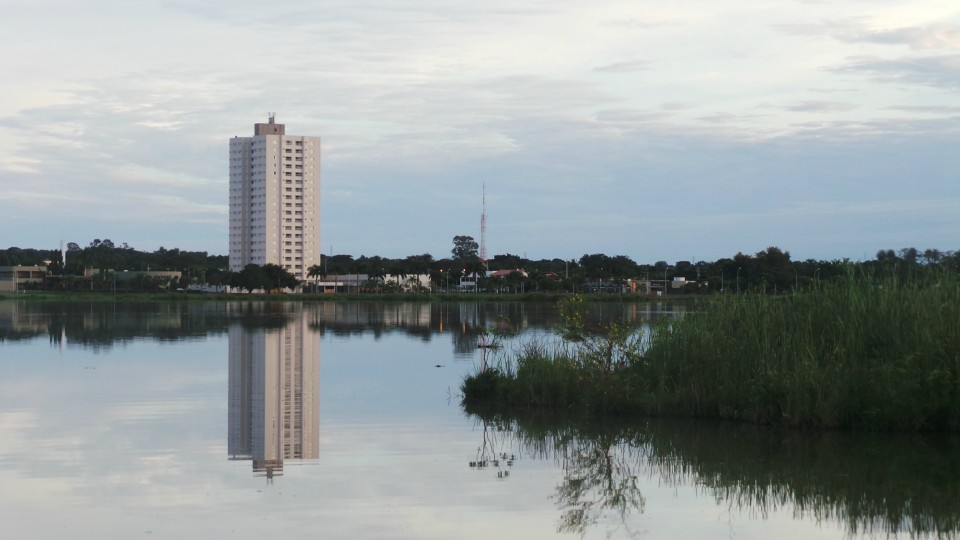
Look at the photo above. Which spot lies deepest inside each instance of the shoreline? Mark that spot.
(99, 296)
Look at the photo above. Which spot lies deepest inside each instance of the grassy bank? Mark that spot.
(865, 352)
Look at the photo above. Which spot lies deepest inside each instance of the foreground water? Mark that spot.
(254, 420)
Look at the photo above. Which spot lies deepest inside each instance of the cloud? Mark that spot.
(820, 107)
(652, 21)
(624, 67)
(631, 115)
(934, 37)
(677, 106)
(931, 109)
(941, 71)
(731, 118)
(857, 30)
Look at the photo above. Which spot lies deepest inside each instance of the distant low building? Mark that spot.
(505, 273)
(19, 278)
(162, 277)
(659, 287)
(603, 286)
(335, 283)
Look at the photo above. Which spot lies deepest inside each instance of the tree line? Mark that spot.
(771, 270)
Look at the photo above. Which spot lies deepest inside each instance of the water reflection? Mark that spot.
(274, 407)
(872, 484)
(101, 325)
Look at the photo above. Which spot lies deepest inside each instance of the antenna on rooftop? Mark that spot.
(483, 228)
(271, 117)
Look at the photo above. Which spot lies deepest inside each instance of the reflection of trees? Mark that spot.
(101, 324)
(599, 464)
(598, 479)
(872, 483)
(492, 454)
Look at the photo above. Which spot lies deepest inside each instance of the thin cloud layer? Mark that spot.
(620, 127)
(939, 71)
(940, 36)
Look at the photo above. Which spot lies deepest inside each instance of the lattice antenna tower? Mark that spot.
(483, 228)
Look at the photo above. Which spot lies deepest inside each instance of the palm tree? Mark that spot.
(377, 274)
(399, 271)
(316, 271)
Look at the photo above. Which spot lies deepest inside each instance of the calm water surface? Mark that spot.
(254, 420)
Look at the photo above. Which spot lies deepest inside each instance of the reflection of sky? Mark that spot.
(131, 440)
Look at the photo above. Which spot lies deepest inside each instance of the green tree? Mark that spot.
(340, 264)
(251, 278)
(316, 272)
(279, 278)
(418, 264)
(506, 261)
(376, 275)
(465, 249)
(399, 271)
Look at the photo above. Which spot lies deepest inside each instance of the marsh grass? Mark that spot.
(866, 351)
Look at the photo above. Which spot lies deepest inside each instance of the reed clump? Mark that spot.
(867, 351)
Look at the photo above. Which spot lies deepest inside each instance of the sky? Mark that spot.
(687, 130)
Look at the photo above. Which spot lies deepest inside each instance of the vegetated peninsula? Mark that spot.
(874, 349)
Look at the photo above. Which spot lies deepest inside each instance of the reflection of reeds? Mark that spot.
(870, 352)
(872, 483)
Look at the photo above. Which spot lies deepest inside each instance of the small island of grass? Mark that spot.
(860, 352)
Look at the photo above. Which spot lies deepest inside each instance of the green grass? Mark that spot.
(863, 352)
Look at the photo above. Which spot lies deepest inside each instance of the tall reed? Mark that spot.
(867, 351)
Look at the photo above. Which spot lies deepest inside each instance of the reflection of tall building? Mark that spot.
(274, 395)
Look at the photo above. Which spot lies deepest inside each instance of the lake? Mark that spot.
(343, 420)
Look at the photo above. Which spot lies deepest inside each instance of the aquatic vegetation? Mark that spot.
(867, 351)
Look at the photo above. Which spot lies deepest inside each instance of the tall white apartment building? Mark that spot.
(275, 200)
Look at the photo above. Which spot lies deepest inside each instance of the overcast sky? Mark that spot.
(686, 130)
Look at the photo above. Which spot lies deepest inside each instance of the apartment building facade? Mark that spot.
(275, 199)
